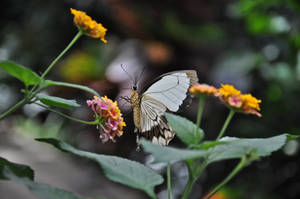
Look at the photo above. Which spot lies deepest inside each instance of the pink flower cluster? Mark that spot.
(109, 117)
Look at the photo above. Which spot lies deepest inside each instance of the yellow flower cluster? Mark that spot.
(110, 117)
(230, 96)
(242, 102)
(88, 26)
(229, 90)
(203, 89)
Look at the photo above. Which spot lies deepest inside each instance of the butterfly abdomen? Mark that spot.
(134, 101)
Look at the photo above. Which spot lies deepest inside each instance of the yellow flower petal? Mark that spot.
(245, 103)
(228, 90)
(89, 26)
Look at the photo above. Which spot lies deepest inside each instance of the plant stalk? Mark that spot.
(199, 117)
(13, 108)
(77, 36)
(193, 176)
(169, 181)
(240, 165)
(228, 119)
(69, 117)
(31, 93)
(188, 188)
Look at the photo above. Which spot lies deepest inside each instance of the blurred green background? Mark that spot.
(253, 44)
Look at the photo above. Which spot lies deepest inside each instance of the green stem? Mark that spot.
(199, 117)
(189, 185)
(188, 188)
(33, 90)
(169, 181)
(241, 165)
(32, 93)
(69, 117)
(14, 108)
(229, 117)
(193, 176)
(77, 36)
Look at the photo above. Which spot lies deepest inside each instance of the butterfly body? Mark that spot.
(135, 103)
(166, 94)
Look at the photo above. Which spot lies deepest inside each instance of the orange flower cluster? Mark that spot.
(110, 117)
(242, 102)
(230, 96)
(203, 89)
(89, 26)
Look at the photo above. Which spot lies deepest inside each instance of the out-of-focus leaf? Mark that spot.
(294, 4)
(84, 88)
(184, 129)
(225, 148)
(169, 154)
(238, 147)
(43, 191)
(259, 23)
(117, 169)
(209, 144)
(206, 33)
(19, 170)
(27, 76)
(292, 137)
(57, 101)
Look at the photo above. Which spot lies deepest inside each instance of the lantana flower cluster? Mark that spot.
(203, 89)
(230, 96)
(242, 102)
(88, 25)
(109, 116)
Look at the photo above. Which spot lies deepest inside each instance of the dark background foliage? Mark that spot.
(252, 44)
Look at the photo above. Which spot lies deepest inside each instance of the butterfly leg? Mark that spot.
(138, 147)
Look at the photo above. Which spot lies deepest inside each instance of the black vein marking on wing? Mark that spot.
(158, 129)
(154, 123)
(151, 109)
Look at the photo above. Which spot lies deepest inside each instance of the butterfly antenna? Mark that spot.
(137, 78)
(125, 98)
(132, 79)
(142, 73)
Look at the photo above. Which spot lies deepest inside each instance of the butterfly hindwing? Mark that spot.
(154, 125)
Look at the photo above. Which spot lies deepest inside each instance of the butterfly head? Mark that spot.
(134, 87)
(134, 96)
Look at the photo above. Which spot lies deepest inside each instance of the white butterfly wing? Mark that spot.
(169, 93)
(154, 125)
(151, 109)
(171, 89)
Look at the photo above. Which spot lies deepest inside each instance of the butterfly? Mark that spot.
(166, 94)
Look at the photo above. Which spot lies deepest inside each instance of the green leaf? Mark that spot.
(225, 148)
(168, 154)
(84, 88)
(27, 76)
(57, 101)
(117, 169)
(185, 129)
(238, 147)
(292, 137)
(43, 191)
(209, 144)
(18, 169)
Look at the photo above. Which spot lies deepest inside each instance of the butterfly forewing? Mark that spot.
(165, 94)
